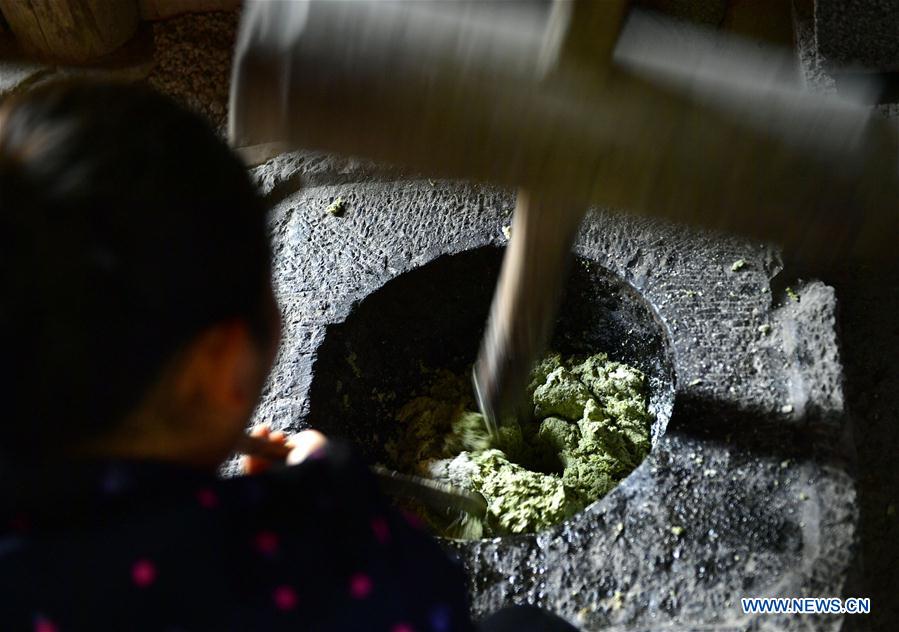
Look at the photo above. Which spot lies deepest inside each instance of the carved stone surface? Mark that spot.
(747, 492)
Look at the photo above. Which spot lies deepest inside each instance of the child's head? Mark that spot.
(136, 314)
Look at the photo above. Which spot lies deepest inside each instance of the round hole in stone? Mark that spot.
(433, 316)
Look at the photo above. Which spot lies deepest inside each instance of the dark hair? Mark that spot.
(127, 226)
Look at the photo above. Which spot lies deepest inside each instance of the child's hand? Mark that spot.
(304, 443)
(254, 461)
(278, 448)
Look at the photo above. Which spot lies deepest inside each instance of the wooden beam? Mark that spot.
(73, 31)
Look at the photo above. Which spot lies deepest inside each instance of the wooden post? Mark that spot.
(72, 31)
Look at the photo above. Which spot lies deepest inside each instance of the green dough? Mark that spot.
(561, 394)
(518, 499)
(590, 428)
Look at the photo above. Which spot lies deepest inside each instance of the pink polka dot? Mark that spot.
(44, 625)
(380, 529)
(207, 498)
(266, 542)
(360, 586)
(143, 573)
(285, 598)
(413, 520)
(402, 627)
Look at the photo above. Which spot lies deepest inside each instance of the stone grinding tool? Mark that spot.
(575, 103)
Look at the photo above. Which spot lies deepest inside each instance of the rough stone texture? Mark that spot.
(754, 466)
(869, 302)
(811, 64)
(858, 32)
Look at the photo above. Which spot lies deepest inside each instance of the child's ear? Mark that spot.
(223, 370)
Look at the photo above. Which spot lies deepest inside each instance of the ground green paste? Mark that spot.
(590, 428)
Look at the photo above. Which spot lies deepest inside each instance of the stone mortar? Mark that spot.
(748, 492)
(434, 317)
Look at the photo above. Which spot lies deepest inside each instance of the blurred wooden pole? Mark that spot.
(72, 31)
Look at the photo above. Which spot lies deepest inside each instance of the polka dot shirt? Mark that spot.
(154, 546)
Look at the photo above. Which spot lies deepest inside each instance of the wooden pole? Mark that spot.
(73, 31)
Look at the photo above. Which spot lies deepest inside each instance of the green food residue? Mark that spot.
(590, 428)
(337, 207)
